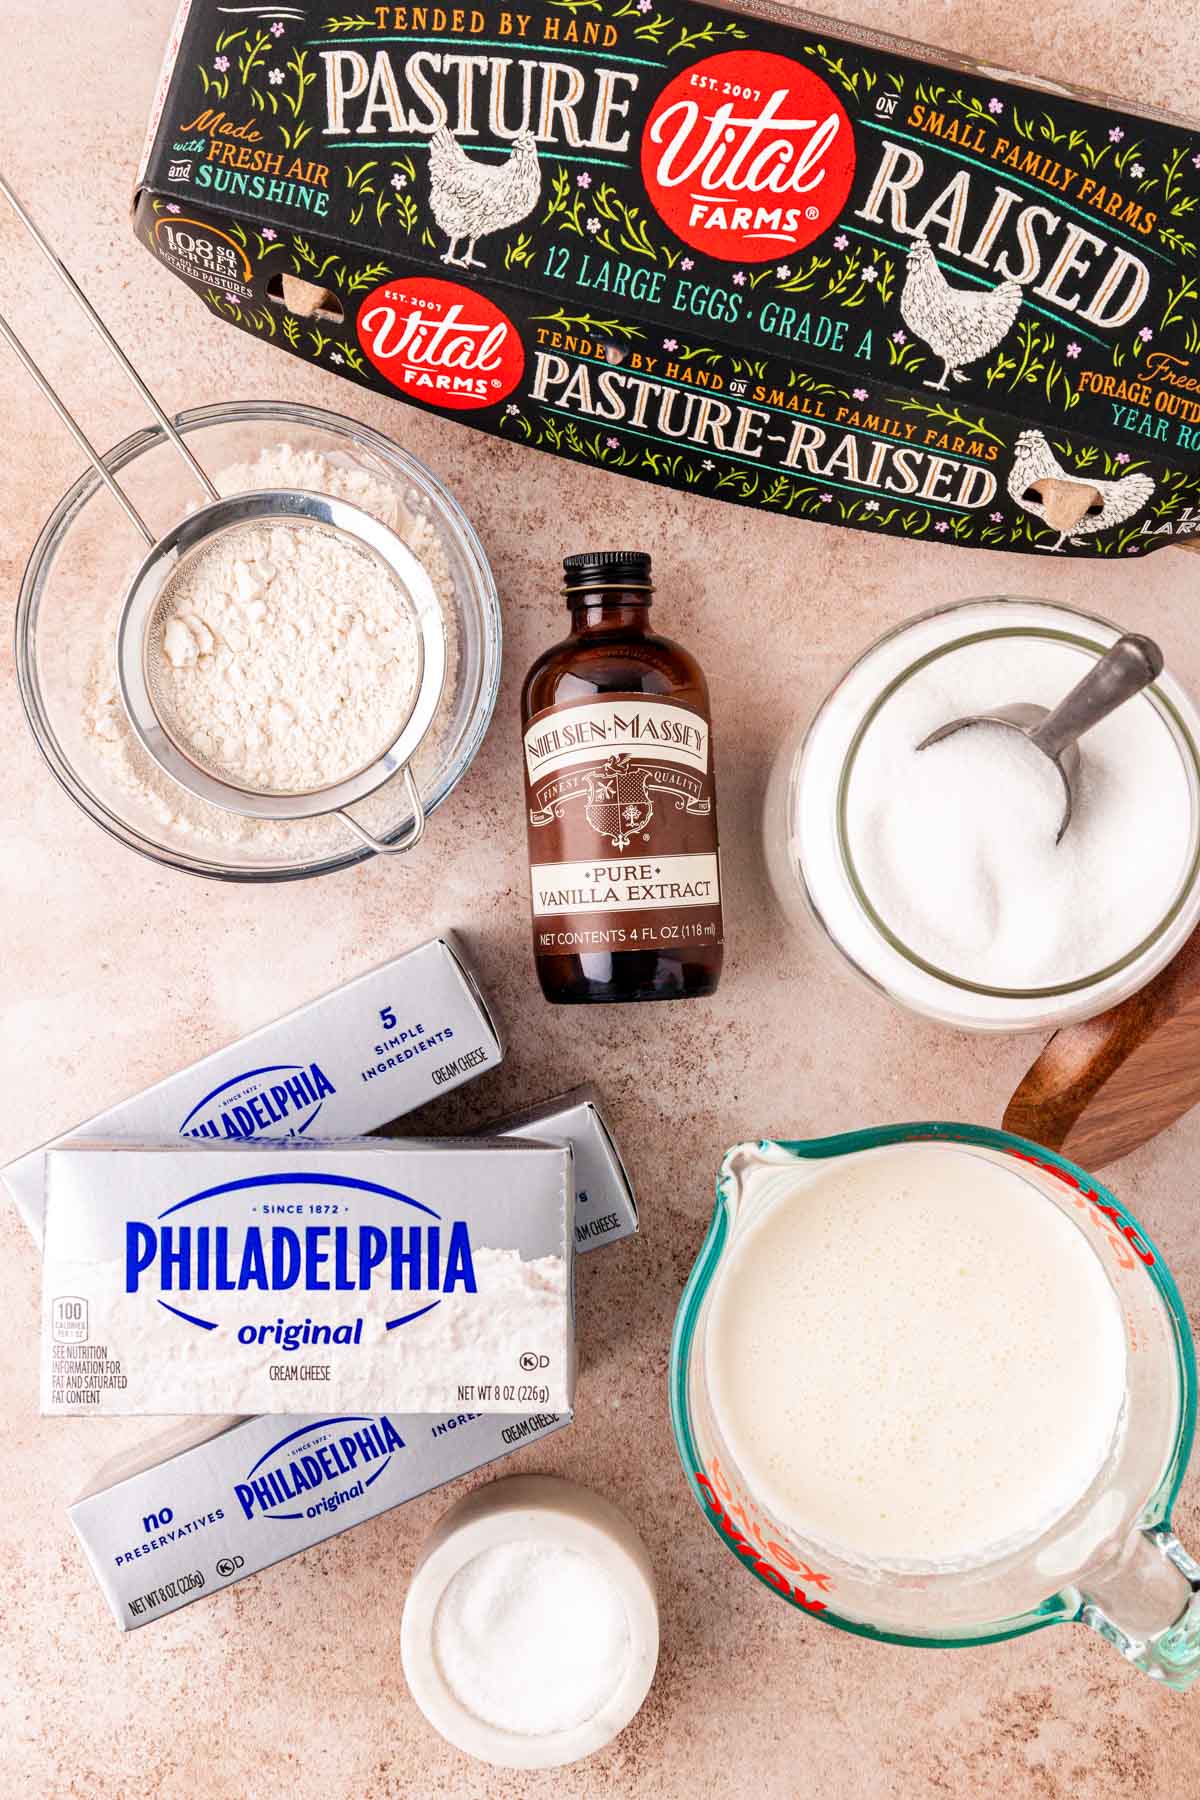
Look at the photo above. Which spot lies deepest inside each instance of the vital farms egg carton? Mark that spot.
(728, 250)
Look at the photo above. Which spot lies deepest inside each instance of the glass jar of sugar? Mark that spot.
(936, 875)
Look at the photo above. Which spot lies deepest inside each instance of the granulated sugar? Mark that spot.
(531, 1638)
(955, 845)
(289, 658)
(140, 778)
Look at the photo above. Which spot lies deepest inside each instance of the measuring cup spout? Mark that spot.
(780, 1162)
(1146, 1602)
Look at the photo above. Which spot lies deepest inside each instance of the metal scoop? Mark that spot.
(1123, 671)
(147, 601)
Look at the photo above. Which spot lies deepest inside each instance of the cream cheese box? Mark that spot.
(370, 1051)
(302, 1277)
(195, 1513)
(605, 1207)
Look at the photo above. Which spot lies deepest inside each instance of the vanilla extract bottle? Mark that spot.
(620, 806)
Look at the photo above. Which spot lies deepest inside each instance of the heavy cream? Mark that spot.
(914, 1357)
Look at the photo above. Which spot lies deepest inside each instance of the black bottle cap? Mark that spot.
(604, 568)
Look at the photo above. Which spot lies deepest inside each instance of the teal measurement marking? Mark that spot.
(728, 456)
(1007, 175)
(348, 43)
(1063, 323)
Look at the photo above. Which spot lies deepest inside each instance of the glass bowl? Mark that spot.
(807, 841)
(66, 659)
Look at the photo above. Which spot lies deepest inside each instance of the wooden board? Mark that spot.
(1100, 1089)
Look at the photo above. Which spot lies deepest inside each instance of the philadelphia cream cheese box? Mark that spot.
(195, 1514)
(302, 1277)
(374, 1049)
(605, 1207)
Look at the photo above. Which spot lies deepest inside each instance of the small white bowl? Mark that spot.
(554, 1514)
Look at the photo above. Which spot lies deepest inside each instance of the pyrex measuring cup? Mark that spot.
(1112, 1562)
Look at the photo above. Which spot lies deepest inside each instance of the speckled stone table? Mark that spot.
(114, 972)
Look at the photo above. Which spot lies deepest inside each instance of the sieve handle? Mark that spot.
(76, 430)
(410, 840)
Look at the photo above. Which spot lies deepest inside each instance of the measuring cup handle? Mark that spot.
(1129, 666)
(1147, 1604)
(411, 838)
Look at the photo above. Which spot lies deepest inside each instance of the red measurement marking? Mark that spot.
(758, 1563)
(1117, 1218)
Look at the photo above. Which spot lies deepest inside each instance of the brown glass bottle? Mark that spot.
(621, 809)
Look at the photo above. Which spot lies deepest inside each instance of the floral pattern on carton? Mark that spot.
(883, 291)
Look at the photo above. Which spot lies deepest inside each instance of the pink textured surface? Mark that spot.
(115, 972)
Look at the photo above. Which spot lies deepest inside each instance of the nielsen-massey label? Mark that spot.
(622, 823)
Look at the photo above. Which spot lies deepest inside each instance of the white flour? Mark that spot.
(194, 821)
(531, 1638)
(289, 658)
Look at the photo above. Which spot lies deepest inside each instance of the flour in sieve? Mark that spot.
(289, 659)
(192, 820)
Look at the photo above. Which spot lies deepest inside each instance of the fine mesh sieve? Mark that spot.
(148, 599)
(148, 605)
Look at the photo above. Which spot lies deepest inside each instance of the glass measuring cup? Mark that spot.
(1111, 1562)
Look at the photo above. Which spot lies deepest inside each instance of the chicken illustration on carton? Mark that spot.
(472, 200)
(714, 247)
(1040, 485)
(960, 325)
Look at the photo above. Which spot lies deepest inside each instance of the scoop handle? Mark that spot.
(1131, 665)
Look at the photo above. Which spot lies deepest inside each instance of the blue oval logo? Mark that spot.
(277, 1100)
(298, 1477)
(269, 1256)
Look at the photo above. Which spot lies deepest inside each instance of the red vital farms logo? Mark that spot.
(441, 342)
(748, 156)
